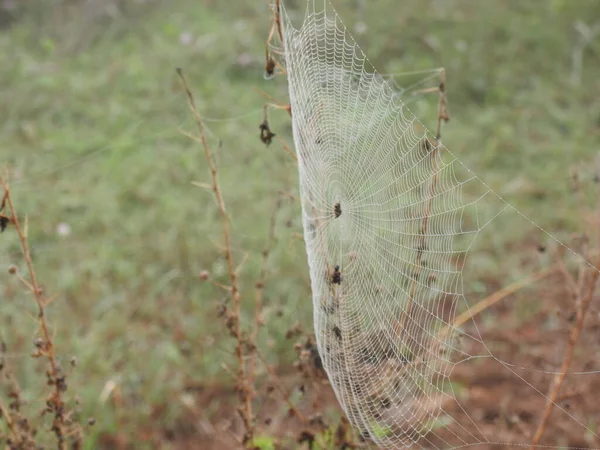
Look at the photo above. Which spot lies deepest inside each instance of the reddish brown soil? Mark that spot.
(503, 405)
(506, 403)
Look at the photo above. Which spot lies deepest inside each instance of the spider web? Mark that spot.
(389, 215)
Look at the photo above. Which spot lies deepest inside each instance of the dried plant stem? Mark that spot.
(485, 303)
(584, 295)
(279, 386)
(442, 117)
(288, 150)
(4, 413)
(278, 19)
(45, 348)
(275, 24)
(260, 288)
(275, 104)
(495, 297)
(265, 122)
(500, 294)
(32, 284)
(244, 386)
(571, 283)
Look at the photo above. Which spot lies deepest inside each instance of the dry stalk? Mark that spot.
(270, 63)
(484, 304)
(6, 415)
(4, 412)
(62, 425)
(21, 433)
(583, 301)
(288, 150)
(244, 385)
(260, 288)
(279, 386)
(433, 151)
(582, 289)
(494, 298)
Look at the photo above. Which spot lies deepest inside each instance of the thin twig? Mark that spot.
(9, 421)
(270, 62)
(244, 387)
(484, 304)
(583, 301)
(582, 289)
(442, 117)
(583, 292)
(500, 294)
(279, 386)
(260, 288)
(45, 348)
(572, 285)
(495, 297)
(288, 150)
(274, 102)
(278, 19)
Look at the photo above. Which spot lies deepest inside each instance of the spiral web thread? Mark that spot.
(389, 215)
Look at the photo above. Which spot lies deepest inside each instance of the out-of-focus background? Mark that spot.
(90, 117)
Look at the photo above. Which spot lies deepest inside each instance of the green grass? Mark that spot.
(90, 112)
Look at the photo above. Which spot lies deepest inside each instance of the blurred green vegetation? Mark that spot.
(90, 112)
